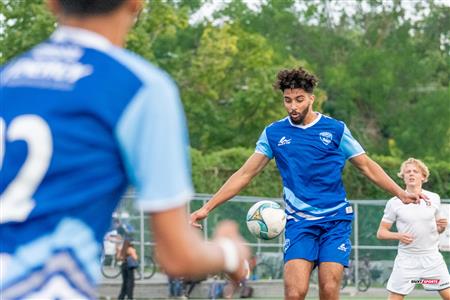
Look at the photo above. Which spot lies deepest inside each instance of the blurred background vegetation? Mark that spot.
(383, 69)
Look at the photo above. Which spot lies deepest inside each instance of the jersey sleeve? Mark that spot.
(349, 146)
(389, 215)
(436, 201)
(153, 137)
(263, 146)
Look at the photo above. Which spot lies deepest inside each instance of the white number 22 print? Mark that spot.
(16, 202)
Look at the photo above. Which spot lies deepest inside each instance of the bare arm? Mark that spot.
(181, 250)
(377, 175)
(441, 225)
(132, 252)
(384, 233)
(118, 252)
(240, 179)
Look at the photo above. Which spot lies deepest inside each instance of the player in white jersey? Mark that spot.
(82, 118)
(418, 228)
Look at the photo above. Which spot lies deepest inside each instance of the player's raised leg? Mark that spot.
(296, 278)
(330, 276)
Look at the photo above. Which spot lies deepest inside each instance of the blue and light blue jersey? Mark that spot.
(80, 120)
(310, 159)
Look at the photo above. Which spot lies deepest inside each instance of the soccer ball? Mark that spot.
(266, 220)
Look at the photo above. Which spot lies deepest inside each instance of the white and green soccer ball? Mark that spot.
(266, 220)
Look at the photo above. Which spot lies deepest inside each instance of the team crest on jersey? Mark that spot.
(326, 137)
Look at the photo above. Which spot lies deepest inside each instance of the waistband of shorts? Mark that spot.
(433, 253)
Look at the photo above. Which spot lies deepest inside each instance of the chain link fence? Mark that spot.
(369, 255)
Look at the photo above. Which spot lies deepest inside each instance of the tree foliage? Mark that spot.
(211, 170)
(23, 24)
(383, 68)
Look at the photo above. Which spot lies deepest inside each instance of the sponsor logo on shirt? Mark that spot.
(284, 141)
(342, 248)
(326, 137)
(426, 281)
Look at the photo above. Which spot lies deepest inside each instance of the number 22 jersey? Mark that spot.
(80, 119)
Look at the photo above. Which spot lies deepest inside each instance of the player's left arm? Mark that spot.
(377, 175)
(441, 221)
(353, 151)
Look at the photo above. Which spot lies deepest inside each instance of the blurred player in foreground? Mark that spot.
(418, 228)
(81, 118)
(310, 150)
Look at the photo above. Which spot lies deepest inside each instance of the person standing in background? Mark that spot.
(418, 228)
(128, 255)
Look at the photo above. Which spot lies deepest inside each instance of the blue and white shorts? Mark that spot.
(318, 242)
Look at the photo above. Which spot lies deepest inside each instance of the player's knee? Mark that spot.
(295, 293)
(329, 287)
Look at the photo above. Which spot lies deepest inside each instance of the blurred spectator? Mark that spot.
(129, 258)
(176, 289)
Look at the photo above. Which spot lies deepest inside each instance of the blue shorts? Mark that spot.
(318, 241)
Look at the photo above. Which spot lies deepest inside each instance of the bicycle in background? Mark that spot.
(110, 266)
(364, 278)
(112, 243)
(267, 266)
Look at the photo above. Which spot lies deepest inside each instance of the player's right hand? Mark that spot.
(406, 238)
(197, 216)
(441, 224)
(229, 230)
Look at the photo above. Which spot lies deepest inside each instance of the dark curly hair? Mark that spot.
(89, 7)
(296, 79)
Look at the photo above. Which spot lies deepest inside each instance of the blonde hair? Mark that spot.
(422, 167)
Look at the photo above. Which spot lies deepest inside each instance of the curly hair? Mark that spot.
(296, 79)
(89, 7)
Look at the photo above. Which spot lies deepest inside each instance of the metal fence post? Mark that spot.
(260, 246)
(356, 237)
(141, 269)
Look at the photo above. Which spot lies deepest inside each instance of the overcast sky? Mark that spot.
(336, 6)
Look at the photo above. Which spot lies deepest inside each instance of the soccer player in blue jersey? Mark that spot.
(81, 118)
(310, 151)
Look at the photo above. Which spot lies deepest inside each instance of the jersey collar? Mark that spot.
(82, 37)
(318, 117)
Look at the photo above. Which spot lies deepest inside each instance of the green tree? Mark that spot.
(227, 87)
(24, 23)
